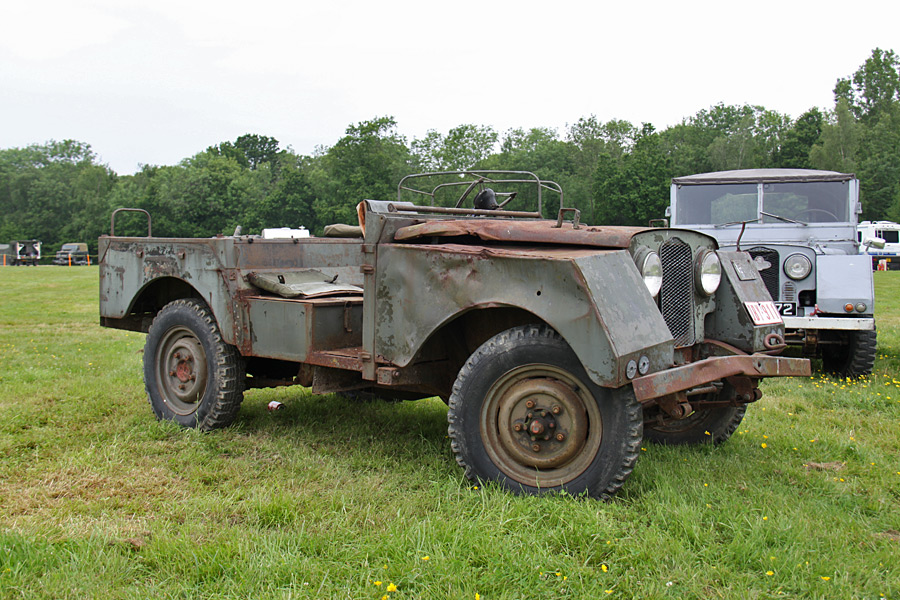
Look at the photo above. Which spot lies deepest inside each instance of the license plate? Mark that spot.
(787, 309)
(763, 313)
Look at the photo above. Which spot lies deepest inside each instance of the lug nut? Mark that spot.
(529, 403)
(193, 377)
(171, 373)
(544, 413)
(181, 387)
(556, 410)
(178, 356)
(517, 427)
(536, 447)
(560, 437)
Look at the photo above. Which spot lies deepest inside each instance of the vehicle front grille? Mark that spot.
(788, 291)
(676, 298)
(770, 275)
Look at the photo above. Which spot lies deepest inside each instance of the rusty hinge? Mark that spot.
(367, 269)
(365, 356)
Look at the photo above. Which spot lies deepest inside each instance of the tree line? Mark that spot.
(615, 172)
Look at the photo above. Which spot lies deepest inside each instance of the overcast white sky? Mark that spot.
(154, 82)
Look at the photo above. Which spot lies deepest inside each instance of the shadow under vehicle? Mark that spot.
(558, 347)
(800, 228)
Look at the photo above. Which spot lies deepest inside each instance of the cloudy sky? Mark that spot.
(153, 82)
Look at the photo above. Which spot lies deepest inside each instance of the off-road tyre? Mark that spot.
(602, 428)
(854, 359)
(191, 375)
(703, 426)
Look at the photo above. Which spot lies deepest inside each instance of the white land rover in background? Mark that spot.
(800, 226)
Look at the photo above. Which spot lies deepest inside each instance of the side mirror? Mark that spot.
(669, 211)
(873, 243)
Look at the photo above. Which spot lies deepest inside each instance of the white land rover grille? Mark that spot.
(676, 298)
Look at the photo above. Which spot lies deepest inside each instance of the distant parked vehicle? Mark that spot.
(72, 254)
(20, 252)
(799, 226)
(886, 231)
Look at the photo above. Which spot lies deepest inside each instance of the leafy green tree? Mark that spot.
(799, 141)
(634, 189)
(54, 192)
(367, 163)
(838, 143)
(464, 147)
(874, 88)
(879, 166)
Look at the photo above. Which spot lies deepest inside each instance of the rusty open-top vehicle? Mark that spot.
(557, 346)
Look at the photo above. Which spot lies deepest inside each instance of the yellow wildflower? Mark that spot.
(391, 587)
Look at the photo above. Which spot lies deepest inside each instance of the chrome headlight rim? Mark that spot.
(801, 262)
(709, 272)
(650, 267)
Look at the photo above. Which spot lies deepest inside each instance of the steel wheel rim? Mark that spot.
(181, 370)
(522, 417)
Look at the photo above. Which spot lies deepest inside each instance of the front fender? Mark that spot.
(595, 299)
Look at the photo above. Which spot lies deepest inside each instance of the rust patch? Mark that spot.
(712, 369)
(538, 232)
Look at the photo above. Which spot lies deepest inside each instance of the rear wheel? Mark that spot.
(855, 358)
(524, 413)
(191, 375)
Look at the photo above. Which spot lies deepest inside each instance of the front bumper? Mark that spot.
(841, 323)
(702, 372)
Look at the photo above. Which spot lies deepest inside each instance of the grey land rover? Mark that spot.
(800, 227)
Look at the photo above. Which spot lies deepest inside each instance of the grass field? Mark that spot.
(331, 499)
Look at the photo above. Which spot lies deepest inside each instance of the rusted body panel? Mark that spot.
(138, 271)
(592, 298)
(536, 232)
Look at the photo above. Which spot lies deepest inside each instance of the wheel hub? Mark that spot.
(541, 425)
(182, 374)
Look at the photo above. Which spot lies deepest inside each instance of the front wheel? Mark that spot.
(853, 358)
(191, 375)
(523, 413)
(703, 426)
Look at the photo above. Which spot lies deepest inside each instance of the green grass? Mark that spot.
(326, 498)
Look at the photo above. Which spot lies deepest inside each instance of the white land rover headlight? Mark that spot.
(651, 270)
(797, 267)
(709, 273)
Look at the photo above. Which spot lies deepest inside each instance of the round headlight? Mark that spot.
(709, 273)
(651, 271)
(797, 266)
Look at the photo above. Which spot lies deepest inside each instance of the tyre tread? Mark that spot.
(229, 380)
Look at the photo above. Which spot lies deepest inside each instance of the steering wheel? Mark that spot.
(485, 196)
(834, 218)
